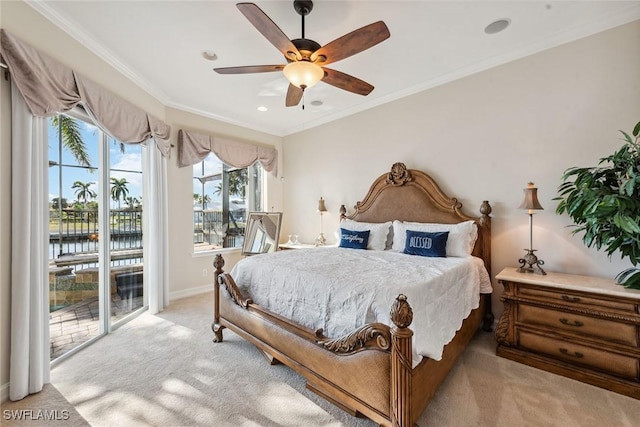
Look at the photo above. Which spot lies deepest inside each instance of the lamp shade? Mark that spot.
(530, 198)
(321, 206)
(303, 74)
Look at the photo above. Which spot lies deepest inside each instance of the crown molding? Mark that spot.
(86, 40)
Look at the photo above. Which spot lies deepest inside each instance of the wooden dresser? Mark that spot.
(585, 328)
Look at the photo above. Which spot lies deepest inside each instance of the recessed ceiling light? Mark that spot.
(262, 108)
(497, 26)
(209, 55)
(316, 103)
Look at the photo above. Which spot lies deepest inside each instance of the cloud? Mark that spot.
(133, 162)
(212, 165)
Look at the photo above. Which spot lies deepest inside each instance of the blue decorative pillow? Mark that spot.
(354, 239)
(424, 243)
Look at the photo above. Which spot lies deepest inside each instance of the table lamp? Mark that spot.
(321, 240)
(531, 203)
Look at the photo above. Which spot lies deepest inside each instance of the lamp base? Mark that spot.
(531, 259)
(320, 240)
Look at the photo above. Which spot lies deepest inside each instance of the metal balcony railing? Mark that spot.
(210, 230)
(74, 233)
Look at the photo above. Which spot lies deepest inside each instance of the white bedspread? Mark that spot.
(339, 290)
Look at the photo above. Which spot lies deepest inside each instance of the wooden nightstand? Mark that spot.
(582, 327)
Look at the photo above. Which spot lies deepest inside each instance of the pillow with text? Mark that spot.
(425, 243)
(354, 239)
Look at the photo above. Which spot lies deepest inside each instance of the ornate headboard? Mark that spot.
(411, 195)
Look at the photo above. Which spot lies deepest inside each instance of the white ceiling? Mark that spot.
(158, 44)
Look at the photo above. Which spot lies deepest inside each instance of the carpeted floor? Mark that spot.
(164, 370)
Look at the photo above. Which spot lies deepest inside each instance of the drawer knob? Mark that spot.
(575, 354)
(568, 322)
(570, 299)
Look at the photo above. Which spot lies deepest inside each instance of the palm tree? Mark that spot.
(83, 192)
(238, 180)
(237, 184)
(71, 138)
(119, 191)
(204, 200)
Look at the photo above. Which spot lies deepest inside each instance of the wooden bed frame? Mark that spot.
(367, 372)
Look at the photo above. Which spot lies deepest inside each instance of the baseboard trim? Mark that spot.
(190, 292)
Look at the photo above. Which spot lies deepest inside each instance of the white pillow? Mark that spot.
(377, 232)
(462, 236)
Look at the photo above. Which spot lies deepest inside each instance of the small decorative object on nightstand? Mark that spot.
(530, 202)
(293, 240)
(582, 327)
(321, 240)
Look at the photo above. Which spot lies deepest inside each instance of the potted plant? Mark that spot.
(604, 203)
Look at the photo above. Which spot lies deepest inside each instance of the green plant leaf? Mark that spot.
(604, 201)
(629, 278)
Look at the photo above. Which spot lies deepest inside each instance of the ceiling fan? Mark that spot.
(306, 59)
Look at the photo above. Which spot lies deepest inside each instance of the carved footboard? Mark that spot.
(366, 372)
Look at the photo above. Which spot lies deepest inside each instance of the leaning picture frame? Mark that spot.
(262, 233)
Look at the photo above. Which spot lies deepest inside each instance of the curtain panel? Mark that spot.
(156, 233)
(29, 360)
(49, 87)
(193, 147)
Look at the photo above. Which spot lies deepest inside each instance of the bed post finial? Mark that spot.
(485, 208)
(399, 174)
(218, 263)
(343, 212)
(401, 312)
(401, 366)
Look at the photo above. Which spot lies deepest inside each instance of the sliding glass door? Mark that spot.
(95, 232)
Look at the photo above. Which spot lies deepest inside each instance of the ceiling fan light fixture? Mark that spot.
(303, 74)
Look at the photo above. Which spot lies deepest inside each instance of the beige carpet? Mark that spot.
(165, 370)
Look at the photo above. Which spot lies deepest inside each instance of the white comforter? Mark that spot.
(340, 289)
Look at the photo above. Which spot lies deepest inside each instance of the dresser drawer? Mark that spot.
(569, 298)
(609, 330)
(576, 354)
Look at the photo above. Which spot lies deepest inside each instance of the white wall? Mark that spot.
(484, 137)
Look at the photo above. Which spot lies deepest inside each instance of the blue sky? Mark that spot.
(130, 160)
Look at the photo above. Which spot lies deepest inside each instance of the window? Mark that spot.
(222, 197)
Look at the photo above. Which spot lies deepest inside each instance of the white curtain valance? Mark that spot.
(49, 87)
(193, 147)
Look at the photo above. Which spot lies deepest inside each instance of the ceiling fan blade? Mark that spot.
(294, 95)
(346, 82)
(269, 29)
(247, 69)
(352, 43)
